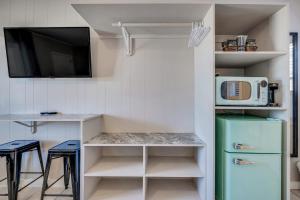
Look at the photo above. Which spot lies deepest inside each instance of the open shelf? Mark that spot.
(244, 59)
(102, 16)
(249, 108)
(118, 189)
(126, 166)
(173, 167)
(159, 189)
(234, 19)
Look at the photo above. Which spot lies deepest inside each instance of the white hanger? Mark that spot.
(198, 33)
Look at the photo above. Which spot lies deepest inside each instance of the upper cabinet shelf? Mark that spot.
(244, 59)
(236, 19)
(102, 16)
(266, 24)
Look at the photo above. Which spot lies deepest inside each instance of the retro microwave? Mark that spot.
(246, 91)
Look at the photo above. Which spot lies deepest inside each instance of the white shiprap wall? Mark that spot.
(150, 91)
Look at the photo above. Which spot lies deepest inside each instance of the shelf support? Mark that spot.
(128, 40)
(33, 125)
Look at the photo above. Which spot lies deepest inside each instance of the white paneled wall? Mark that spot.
(150, 91)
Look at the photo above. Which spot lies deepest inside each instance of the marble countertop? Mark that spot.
(146, 139)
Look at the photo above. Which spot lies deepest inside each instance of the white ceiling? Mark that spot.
(240, 18)
(101, 16)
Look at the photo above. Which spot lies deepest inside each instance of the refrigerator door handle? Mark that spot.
(238, 161)
(242, 146)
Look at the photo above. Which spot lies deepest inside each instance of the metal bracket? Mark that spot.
(33, 125)
(128, 40)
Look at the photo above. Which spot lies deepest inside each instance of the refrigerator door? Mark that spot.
(249, 134)
(252, 176)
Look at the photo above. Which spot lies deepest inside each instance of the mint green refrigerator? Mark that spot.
(248, 158)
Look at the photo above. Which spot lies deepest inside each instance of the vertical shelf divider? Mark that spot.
(145, 180)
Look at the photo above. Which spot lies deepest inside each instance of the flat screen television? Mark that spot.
(48, 52)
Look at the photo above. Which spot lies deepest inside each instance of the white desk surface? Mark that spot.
(48, 118)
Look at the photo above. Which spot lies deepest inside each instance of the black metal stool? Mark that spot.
(70, 152)
(13, 152)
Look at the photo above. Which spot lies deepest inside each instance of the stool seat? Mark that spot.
(70, 152)
(70, 146)
(13, 151)
(18, 145)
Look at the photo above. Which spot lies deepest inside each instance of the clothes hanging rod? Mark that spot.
(119, 24)
(197, 35)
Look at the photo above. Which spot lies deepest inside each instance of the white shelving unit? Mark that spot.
(192, 172)
(268, 24)
(122, 165)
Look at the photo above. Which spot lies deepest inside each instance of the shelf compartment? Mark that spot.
(114, 161)
(244, 16)
(127, 166)
(249, 108)
(172, 189)
(174, 162)
(118, 189)
(173, 167)
(244, 59)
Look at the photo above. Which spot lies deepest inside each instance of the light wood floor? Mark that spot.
(295, 194)
(35, 194)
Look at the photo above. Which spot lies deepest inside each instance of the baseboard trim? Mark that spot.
(295, 185)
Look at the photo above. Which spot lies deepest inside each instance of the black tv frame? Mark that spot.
(51, 77)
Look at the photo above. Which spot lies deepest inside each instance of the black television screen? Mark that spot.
(50, 52)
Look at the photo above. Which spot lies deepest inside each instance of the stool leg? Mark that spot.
(10, 171)
(45, 182)
(73, 176)
(17, 174)
(40, 158)
(66, 172)
(13, 165)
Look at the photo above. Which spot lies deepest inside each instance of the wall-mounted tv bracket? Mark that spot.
(33, 125)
